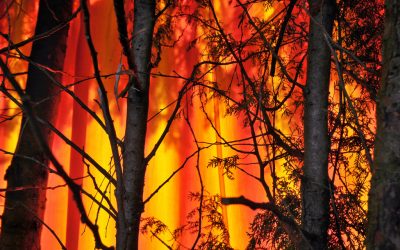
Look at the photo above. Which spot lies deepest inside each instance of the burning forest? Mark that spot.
(199, 124)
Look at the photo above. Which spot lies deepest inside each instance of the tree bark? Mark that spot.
(20, 225)
(315, 192)
(136, 124)
(384, 196)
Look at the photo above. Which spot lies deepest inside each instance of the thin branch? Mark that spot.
(80, 151)
(107, 117)
(285, 22)
(65, 89)
(42, 35)
(241, 200)
(350, 103)
(46, 225)
(200, 209)
(172, 175)
(123, 31)
(160, 12)
(75, 188)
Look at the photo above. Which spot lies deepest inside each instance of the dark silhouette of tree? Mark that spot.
(24, 209)
(300, 85)
(135, 162)
(315, 186)
(278, 151)
(384, 205)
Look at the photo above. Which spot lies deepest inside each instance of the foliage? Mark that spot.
(254, 64)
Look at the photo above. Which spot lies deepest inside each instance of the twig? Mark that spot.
(108, 119)
(75, 188)
(42, 35)
(47, 226)
(285, 22)
(123, 31)
(351, 106)
(200, 209)
(169, 178)
(80, 151)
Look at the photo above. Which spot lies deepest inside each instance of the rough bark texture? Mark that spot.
(384, 199)
(20, 227)
(136, 124)
(315, 192)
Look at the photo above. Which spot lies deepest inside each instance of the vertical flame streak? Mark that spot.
(220, 156)
(79, 123)
(171, 204)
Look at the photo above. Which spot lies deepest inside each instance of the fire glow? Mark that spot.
(170, 204)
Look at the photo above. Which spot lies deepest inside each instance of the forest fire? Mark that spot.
(200, 124)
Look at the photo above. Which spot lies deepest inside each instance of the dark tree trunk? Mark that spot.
(136, 124)
(315, 192)
(20, 225)
(384, 196)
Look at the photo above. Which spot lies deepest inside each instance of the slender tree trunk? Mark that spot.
(315, 192)
(384, 196)
(20, 225)
(136, 124)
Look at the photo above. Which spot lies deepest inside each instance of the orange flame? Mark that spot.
(171, 204)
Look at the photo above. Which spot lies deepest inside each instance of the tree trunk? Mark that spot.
(384, 196)
(20, 225)
(136, 124)
(315, 192)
